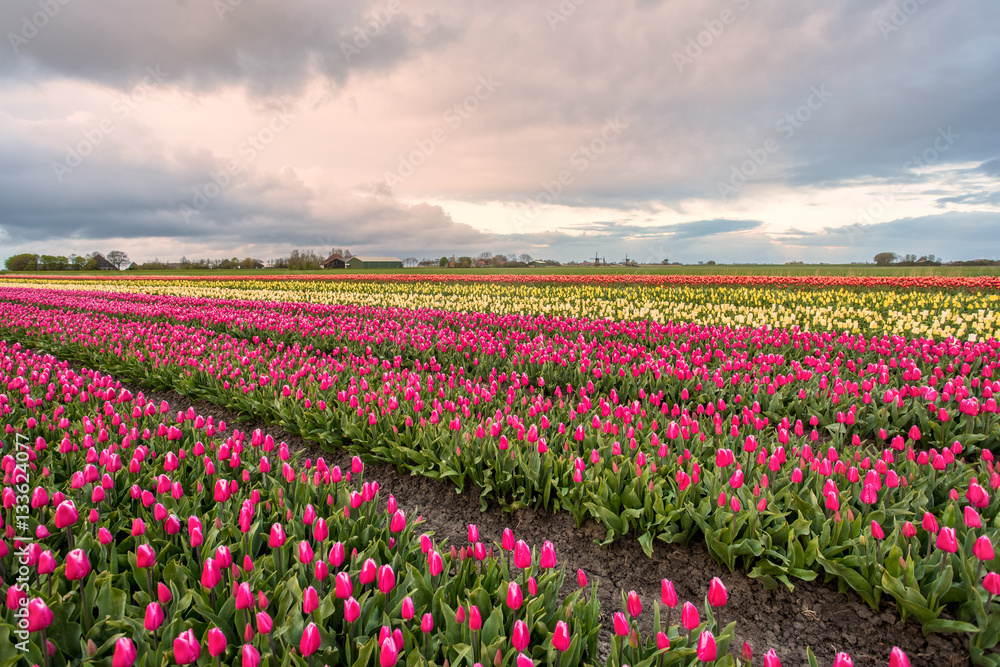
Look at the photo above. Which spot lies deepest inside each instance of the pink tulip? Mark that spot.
(524, 661)
(407, 610)
(125, 653)
(560, 637)
(154, 616)
(187, 648)
(352, 610)
(310, 600)
(514, 596)
(620, 624)
(771, 659)
(633, 604)
(522, 555)
(547, 558)
(689, 616)
(145, 556)
(427, 624)
(343, 588)
(310, 640)
(581, 578)
(946, 540)
(983, 549)
(717, 594)
(842, 659)
(520, 636)
(77, 565)
(39, 615)
(707, 650)
(66, 514)
(389, 654)
(668, 596)
(897, 658)
(264, 622)
(216, 642)
(386, 579)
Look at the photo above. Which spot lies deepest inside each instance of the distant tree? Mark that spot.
(885, 258)
(464, 262)
(23, 262)
(443, 263)
(117, 258)
(499, 260)
(525, 257)
(410, 261)
(91, 264)
(665, 261)
(248, 263)
(52, 263)
(710, 262)
(224, 264)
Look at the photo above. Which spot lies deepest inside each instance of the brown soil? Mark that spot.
(814, 615)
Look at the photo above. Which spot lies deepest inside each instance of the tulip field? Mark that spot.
(831, 429)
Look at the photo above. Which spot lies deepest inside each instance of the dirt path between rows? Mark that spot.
(814, 615)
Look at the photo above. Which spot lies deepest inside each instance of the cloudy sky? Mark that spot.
(726, 130)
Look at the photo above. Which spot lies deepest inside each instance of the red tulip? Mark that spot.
(187, 648)
(124, 653)
(310, 640)
(581, 579)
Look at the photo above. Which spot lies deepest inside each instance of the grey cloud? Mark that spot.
(272, 49)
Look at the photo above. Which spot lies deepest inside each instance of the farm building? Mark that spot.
(335, 261)
(373, 263)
